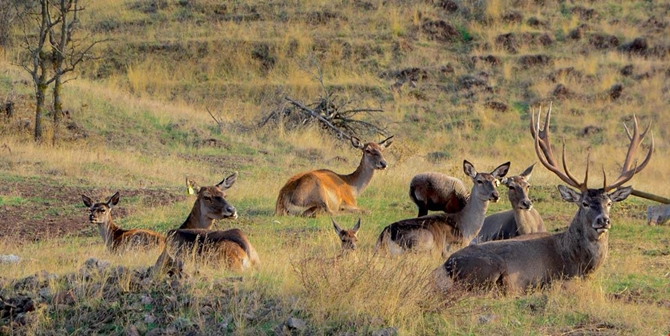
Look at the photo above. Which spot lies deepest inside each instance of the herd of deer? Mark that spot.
(510, 249)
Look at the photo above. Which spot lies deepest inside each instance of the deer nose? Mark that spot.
(495, 196)
(603, 222)
(230, 209)
(526, 204)
(382, 164)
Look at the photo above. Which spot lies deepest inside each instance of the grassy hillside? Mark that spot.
(456, 80)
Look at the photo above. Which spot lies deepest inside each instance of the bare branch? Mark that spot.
(317, 116)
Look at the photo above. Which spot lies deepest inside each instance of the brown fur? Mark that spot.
(117, 239)
(436, 233)
(522, 219)
(229, 247)
(438, 192)
(324, 191)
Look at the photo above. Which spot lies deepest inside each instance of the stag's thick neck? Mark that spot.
(360, 178)
(197, 218)
(581, 255)
(472, 217)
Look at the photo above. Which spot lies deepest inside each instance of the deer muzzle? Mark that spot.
(381, 165)
(601, 224)
(525, 204)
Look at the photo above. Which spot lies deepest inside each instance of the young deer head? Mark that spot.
(485, 184)
(594, 204)
(348, 237)
(372, 152)
(100, 213)
(518, 189)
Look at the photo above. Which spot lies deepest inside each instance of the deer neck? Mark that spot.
(524, 220)
(107, 230)
(472, 217)
(581, 255)
(197, 218)
(360, 178)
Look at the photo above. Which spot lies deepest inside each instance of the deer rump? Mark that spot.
(231, 246)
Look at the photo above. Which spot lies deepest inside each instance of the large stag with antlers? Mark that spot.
(523, 263)
(323, 190)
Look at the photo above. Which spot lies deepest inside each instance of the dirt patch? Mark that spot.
(50, 209)
(441, 31)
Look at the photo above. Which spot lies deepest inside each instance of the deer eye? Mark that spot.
(585, 204)
(479, 182)
(207, 198)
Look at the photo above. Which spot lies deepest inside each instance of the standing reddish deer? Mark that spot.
(323, 190)
(523, 263)
(436, 233)
(117, 239)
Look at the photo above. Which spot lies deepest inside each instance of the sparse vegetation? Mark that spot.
(455, 79)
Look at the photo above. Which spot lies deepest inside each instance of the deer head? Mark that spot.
(100, 213)
(348, 238)
(594, 204)
(372, 152)
(212, 199)
(485, 184)
(518, 189)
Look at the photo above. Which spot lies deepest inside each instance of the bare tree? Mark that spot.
(49, 27)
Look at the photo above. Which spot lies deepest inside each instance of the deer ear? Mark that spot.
(469, 169)
(386, 142)
(336, 227)
(356, 142)
(568, 194)
(501, 170)
(526, 173)
(620, 194)
(228, 181)
(114, 200)
(87, 201)
(357, 226)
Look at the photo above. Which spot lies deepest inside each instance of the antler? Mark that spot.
(543, 144)
(635, 141)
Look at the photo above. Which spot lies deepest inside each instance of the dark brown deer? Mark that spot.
(324, 191)
(436, 233)
(522, 219)
(523, 263)
(117, 239)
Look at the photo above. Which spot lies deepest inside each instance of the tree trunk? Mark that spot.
(58, 104)
(40, 93)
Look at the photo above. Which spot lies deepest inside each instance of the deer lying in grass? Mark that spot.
(117, 239)
(323, 190)
(348, 237)
(230, 247)
(519, 264)
(438, 192)
(521, 220)
(194, 236)
(436, 233)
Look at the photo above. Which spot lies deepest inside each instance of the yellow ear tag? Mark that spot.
(190, 190)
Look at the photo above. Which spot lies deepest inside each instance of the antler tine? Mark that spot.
(635, 141)
(604, 178)
(572, 177)
(547, 156)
